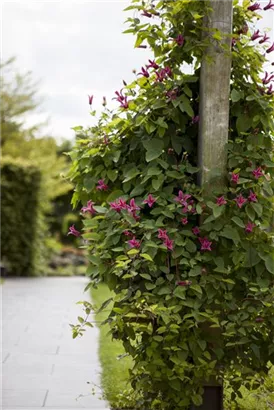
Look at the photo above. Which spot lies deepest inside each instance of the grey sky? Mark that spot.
(75, 48)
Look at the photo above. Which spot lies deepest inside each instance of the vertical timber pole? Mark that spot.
(214, 98)
(213, 131)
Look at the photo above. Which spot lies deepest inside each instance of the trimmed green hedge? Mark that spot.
(22, 224)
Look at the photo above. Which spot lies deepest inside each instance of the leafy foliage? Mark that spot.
(191, 303)
(22, 223)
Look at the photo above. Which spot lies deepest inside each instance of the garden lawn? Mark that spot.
(114, 371)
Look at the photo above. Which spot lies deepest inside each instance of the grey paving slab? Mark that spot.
(23, 398)
(43, 367)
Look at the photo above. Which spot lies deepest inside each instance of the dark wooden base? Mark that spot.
(212, 399)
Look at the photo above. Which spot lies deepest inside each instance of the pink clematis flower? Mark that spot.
(249, 227)
(73, 231)
(257, 172)
(184, 283)
(195, 119)
(180, 40)
(121, 99)
(142, 46)
(182, 198)
(240, 200)
(259, 320)
(104, 101)
(270, 5)
(252, 197)
(235, 177)
(205, 244)
(254, 7)
(150, 201)
(184, 221)
(270, 49)
(152, 64)
(162, 234)
(90, 99)
(133, 243)
(270, 90)
(168, 243)
(128, 233)
(256, 35)
(168, 71)
(132, 207)
(264, 39)
(89, 208)
(119, 205)
(106, 140)
(146, 14)
(172, 94)
(101, 185)
(221, 201)
(267, 78)
(144, 72)
(196, 230)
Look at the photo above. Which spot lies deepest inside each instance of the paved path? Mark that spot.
(43, 367)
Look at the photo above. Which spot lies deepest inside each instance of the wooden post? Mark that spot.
(213, 132)
(214, 98)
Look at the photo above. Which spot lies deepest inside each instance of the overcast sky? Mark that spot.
(75, 48)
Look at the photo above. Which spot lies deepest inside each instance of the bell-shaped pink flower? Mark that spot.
(221, 201)
(150, 200)
(89, 208)
(73, 231)
(133, 243)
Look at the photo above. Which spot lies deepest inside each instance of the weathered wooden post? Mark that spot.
(213, 129)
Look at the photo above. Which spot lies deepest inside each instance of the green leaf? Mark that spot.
(112, 174)
(251, 257)
(177, 143)
(149, 286)
(115, 195)
(132, 173)
(250, 212)
(100, 209)
(257, 208)
(238, 221)
(190, 246)
(157, 183)
(235, 95)
(145, 276)
(269, 263)
(231, 233)
(218, 210)
(154, 148)
(165, 290)
(146, 256)
(133, 252)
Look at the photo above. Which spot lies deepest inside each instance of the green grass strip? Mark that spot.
(115, 375)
